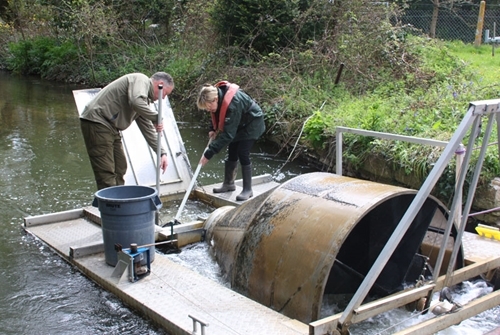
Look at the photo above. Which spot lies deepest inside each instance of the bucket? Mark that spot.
(127, 216)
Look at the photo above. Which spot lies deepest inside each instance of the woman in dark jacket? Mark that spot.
(237, 122)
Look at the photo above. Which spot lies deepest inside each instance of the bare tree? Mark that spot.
(436, 6)
(90, 23)
(435, 14)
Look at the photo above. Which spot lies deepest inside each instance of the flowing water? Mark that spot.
(44, 168)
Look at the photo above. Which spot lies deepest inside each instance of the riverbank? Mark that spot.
(391, 80)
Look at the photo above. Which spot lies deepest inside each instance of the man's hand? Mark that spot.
(164, 163)
(158, 127)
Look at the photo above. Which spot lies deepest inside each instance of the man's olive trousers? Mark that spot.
(106, 154)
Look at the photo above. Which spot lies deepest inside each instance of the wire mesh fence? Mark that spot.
(457, 23)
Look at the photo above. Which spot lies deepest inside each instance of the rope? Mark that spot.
(297, 141)
(294, 146)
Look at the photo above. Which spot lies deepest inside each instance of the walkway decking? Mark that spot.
(171, 293)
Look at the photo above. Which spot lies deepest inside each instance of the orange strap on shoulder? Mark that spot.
(228, 97)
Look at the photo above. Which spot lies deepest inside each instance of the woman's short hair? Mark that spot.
(208, 93)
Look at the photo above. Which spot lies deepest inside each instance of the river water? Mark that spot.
(44, 168)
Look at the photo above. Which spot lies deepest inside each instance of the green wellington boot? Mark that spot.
(230, 171)
(247, 192)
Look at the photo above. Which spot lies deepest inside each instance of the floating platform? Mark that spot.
(172, 296)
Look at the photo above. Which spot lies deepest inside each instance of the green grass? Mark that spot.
(429, 102)
(484, 60)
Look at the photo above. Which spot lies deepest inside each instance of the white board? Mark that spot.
(141, 159)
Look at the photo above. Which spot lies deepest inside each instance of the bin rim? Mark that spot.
(132, 199)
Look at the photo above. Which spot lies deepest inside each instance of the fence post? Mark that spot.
(480, 21)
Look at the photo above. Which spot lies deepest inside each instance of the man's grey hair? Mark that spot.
(163, 76)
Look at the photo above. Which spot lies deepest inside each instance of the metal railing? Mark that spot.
(387, 136)
(471, 122)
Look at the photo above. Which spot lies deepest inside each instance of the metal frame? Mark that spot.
(127, 260)
(471, 121)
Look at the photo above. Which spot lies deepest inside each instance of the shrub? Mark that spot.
(28, 55)
(267, 25)
(42, 56)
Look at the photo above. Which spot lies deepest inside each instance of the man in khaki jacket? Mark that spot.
(113, 109)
